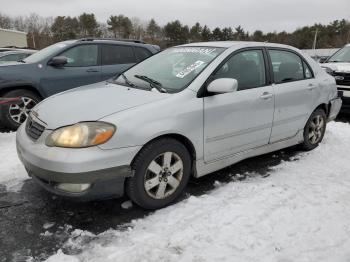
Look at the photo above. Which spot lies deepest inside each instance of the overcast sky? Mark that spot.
(266, 15)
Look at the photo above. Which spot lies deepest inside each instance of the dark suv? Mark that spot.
(64, 66)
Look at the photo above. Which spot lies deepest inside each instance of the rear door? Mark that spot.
(295, 90)
(241, 120)
(115, 59)
(83, 68)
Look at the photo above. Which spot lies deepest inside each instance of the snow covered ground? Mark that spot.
(301, 212)
(12, 172)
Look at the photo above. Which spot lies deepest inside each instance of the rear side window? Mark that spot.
(81, 56)
(247, 67)
(307, 71)
(115, 54)
(288, 66)
(142, 53)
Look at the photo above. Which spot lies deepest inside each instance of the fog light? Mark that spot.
(73, 188)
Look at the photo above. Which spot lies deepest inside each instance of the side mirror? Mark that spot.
(223, 85)
(58, 61)
(322, 60)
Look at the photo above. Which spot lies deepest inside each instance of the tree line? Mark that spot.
(43, 31)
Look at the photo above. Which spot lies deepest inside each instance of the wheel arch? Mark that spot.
(180, 138)
(31, 88)
(325, 107)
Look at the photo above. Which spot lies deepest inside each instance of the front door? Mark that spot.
(241, 120)
(82, 69)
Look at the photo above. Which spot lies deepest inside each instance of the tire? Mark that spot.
(145, 187)
(8, 112)
(314, 130)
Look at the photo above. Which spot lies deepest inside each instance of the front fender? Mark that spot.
(138, 126)
(19, 76)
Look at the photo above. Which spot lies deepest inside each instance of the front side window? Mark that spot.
(81, 56)
(115, 54)
(247, 67)
(287, 66)
(47, 52)
(173, 69)
(307, 71)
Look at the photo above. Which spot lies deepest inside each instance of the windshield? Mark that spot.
(171, 70)
(343, 55)
(46, 52)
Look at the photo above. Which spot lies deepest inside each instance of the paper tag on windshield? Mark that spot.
(206, 51)
(189, 69)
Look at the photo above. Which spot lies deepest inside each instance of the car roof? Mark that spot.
(237, 44)
(115, 41)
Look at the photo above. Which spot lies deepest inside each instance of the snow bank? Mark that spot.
(12, 172)
(299, 213)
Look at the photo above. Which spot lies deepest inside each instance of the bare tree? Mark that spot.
(5, 22)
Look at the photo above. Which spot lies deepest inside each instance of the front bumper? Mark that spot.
(104, 170)
(344, 94)
(336, 105)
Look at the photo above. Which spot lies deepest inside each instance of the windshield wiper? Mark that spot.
(153, 83)
(127, 81)
(21, 61)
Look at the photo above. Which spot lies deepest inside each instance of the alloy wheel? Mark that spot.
(163, 175)
(316, 129)
(19, 112)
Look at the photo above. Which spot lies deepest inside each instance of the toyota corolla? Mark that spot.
(187, 111)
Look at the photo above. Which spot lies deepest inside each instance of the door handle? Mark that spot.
(91, 70)
(266, 95)
(311, 87)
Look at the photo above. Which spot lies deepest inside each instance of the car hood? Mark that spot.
(338, 67)
(90, 103)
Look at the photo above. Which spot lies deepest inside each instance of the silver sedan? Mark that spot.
(187, 111)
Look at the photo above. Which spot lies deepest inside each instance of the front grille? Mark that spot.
(346, 78)
(33, 128)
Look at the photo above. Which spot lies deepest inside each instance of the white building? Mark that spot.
(12, 38)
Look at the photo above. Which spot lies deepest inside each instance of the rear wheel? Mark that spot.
(13, 115)
(314, 130)
(162, 170)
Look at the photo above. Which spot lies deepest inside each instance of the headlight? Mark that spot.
(83, 134)
(328, 70)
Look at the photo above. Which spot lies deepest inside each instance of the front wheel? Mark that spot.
(13, 115)
(162, 170)
(314, 130)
